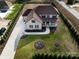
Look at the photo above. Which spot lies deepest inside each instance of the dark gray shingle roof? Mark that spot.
(45, 10)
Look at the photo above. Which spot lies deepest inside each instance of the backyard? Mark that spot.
(59, 42)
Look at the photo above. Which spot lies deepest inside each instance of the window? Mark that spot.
(50, 16)
(47, 22)
(36, 26)
(52, 23)
(43, 23)
(43, 16)
(33, 21)
(54, 17)
(46, 16)
(31, 26)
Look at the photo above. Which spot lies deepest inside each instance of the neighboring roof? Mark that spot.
(27, 12)
(45, 9)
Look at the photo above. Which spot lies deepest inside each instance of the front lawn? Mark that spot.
(59, 42)
(15, 11)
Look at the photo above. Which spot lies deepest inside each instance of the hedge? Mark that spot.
(53, 56)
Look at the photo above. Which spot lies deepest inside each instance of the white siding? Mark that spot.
(34, 24)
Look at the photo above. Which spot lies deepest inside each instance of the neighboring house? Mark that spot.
(40, 17)
(3, 6)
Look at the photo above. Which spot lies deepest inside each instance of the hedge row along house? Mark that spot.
(39, 18)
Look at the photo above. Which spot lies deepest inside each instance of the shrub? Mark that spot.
(55, 56)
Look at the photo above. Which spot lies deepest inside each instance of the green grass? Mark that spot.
(14, 12)
(26, 47)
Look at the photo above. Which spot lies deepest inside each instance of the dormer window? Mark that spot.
(33, 21)
(40, 15)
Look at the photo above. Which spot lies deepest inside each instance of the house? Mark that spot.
(40, 17)
(3, 6)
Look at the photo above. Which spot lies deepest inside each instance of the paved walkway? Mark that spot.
(10, 48)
